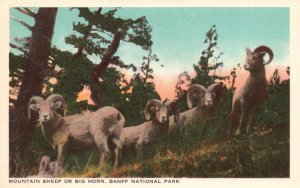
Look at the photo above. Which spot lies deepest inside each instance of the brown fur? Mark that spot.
(207, 102)
(151, 130)
(249, 98)
(77, 131)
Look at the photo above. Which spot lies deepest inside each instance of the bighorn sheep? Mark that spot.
(46, 168)
(151, 130)
(247, 101)
(77, 131)
(207, 100)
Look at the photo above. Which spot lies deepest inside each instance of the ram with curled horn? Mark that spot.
(158, 115)
(207, 100)
(248, 100)
(77, 131)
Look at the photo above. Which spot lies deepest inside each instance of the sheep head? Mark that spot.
(162, 110)
(255, 60)
(46, 108)
(205, 97)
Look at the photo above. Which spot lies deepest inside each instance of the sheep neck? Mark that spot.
(205, 109)
(160, 127)
(258, 77)
(49, 128)
(256, 86)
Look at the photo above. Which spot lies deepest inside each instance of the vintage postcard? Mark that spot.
(154, 93)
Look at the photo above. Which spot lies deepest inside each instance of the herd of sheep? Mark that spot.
(104, 129)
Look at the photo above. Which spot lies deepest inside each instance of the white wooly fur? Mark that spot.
(77, 131)
(151, 130)
(249, 98)
(207, 100)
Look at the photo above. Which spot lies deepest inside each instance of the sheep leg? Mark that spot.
(61, 149)
(243, 120)
(251, 119)
(139, 149)
(234, 117)
(102, 148)
(117, 151)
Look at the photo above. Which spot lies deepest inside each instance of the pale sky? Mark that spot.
(178, 35)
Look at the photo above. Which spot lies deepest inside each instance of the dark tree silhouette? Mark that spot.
(35, 70)
(100, 36)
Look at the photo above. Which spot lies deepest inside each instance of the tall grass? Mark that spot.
(202, 150)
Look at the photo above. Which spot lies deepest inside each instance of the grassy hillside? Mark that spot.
(202, 150)
(265, 153)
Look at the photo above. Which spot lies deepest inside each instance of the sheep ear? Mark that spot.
(57, 104)
(34, 104)
(57, 101)
(150, 107)
(147, 115)
(148, 112)
(196, 91)
(174, 108)
(218, 91)
(32, 107)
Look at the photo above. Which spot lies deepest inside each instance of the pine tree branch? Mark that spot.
(23, 23)
(113, 47)
(99, 11)
(103, 31)
(30, 12)
(18, 48)
(26, 11)
(85, 37)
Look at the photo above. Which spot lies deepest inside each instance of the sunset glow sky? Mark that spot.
(178, 35)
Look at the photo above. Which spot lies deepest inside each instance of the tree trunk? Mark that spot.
(100, 68)
(36, 67)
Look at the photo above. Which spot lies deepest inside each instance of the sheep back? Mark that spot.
(80, 129)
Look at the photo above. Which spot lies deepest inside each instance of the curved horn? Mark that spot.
(190, 94)
(149, 107)
(267, 50)
(32, 105)
(57, 100)
(173, 105)
(213, 86)
(219, 91)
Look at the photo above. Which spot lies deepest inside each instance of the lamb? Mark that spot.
(247, 101)
(77, 131)
(150, 131)
(207, 100)
(46, 168)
